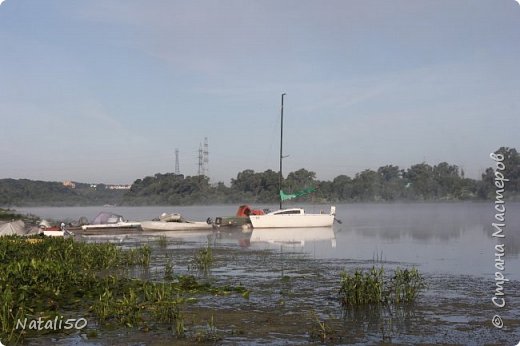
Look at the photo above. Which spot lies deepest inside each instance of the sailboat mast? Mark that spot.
(280, 177)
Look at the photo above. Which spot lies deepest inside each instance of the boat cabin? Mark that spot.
(292, 211)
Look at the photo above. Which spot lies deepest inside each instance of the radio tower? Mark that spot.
(177, 170)
(205, 155)
(201, 162)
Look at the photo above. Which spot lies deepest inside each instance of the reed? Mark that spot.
(321, 330)
(180, 330)
(373, 288)
(202, 260)
(102, 308)
(168, 270)
(209, 333)
(406, 285)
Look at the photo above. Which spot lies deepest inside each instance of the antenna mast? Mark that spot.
(280, 177)
(201, 165)
(205, 157)
(177, 170)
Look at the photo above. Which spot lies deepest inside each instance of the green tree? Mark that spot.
(366, 186)
(392, 184)
(448, 182)
(342, 188)
(299, 180)
(422, 183)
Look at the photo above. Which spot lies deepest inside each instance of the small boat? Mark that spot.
(52, 231)
(241, 218)
(110, 221)
(174, 222)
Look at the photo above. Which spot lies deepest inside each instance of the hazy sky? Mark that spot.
(104, 91)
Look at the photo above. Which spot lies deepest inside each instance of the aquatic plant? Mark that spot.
(321, 330)
(128, 308)
(168, 270)
(362, 288)
(202, 260)
(179, 326)
(102, 308)
(372, 288)
(405, 285)
(44, 276)
(209, 333)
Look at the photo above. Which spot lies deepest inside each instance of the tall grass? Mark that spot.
(202, 260)
(373, 288)
(168, 270)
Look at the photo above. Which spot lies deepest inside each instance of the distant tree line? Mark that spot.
(420, 182)
(25, 192)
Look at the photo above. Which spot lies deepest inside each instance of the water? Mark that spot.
(438, 238)
(297, 278)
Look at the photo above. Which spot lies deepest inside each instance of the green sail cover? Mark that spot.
(285, 197)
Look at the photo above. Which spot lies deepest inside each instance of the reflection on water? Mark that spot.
(437, 237)
(293, 236)
(452, 238)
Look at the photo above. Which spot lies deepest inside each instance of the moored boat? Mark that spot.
(294, 217)
(110, 221)
(45, 228)
(174, 222)
(241, 218)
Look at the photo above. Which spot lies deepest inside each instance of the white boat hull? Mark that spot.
(59, 233)
(174, 226)
(111, 226)
(291, 218)
(290, 221)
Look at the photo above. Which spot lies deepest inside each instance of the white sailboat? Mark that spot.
(294, 217)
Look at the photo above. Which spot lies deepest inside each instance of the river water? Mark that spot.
(293, 275)
(450, 238)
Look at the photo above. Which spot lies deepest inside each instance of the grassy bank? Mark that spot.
(58, 279)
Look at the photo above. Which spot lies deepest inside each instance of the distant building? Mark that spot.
(118, 187)
(69, 184)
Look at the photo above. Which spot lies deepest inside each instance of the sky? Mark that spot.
(105, 91)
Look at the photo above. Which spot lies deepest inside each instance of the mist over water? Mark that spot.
(449, 238)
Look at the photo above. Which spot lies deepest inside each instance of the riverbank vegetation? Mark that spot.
(52, 279)
(419, 182)
(7, 215)
(373, 288)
